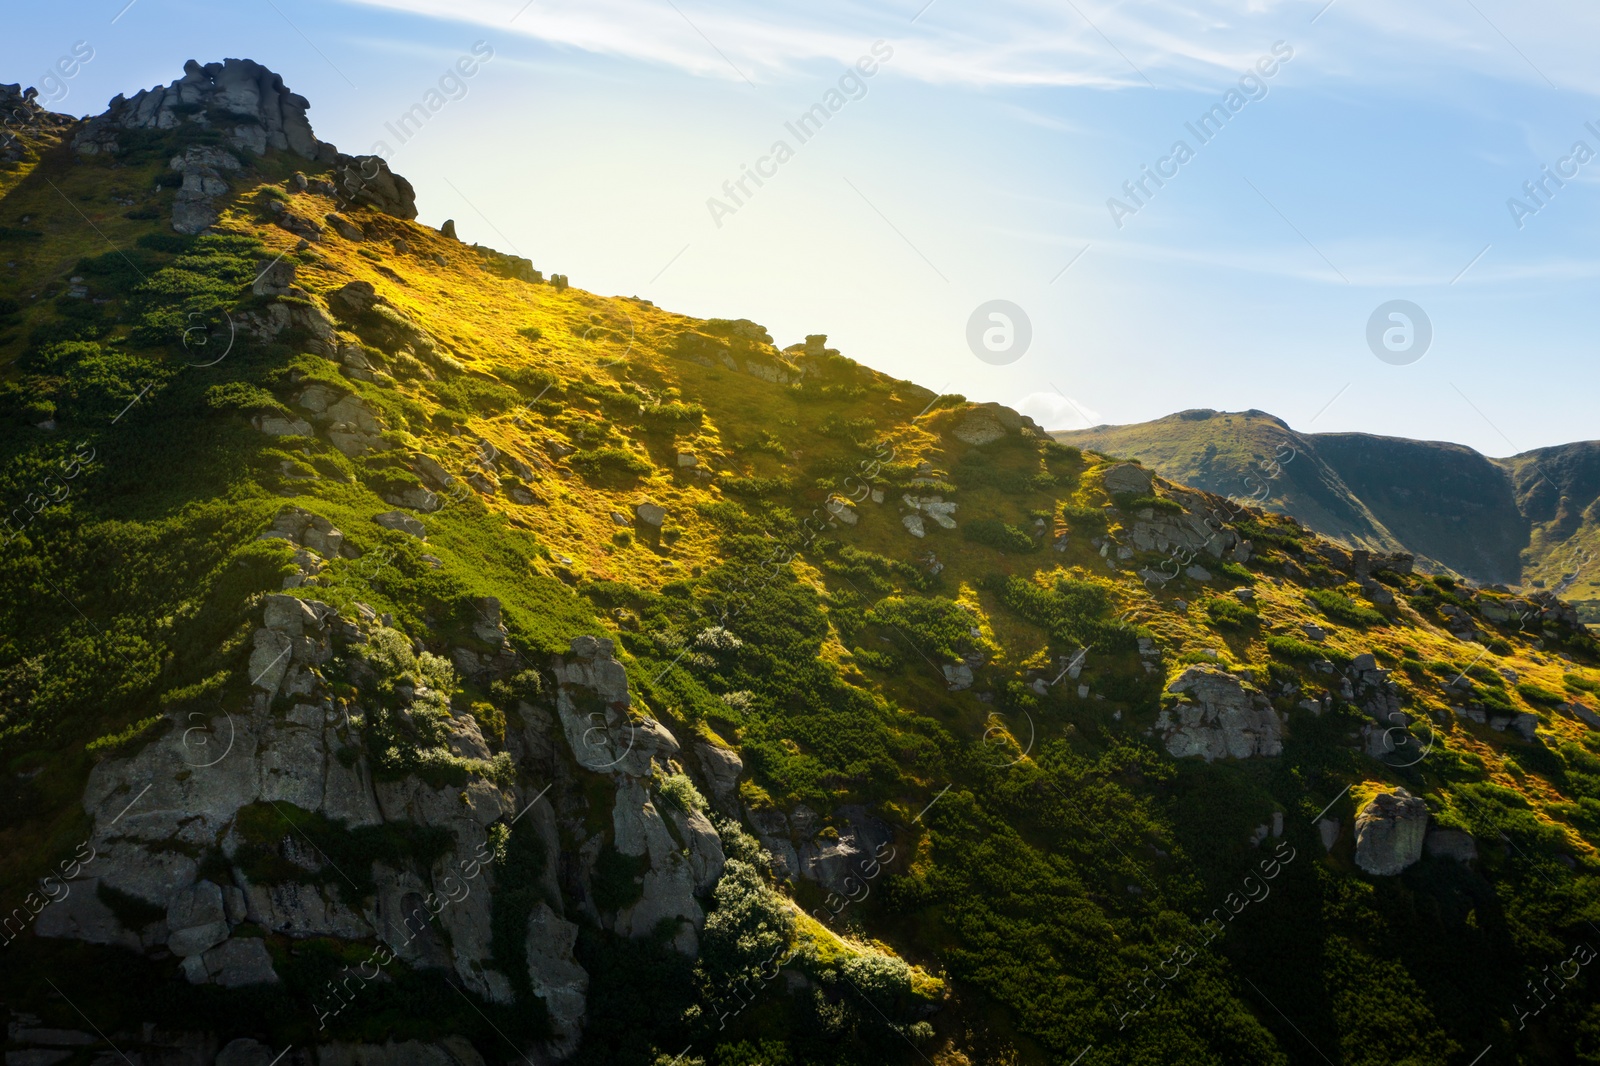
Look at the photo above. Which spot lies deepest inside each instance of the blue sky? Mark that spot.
(976, 162)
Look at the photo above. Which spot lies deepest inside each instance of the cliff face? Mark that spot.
(407, 660)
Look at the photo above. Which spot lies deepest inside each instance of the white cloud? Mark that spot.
(1046, 43)
(1055, 410)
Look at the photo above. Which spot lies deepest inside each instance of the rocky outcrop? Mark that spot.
(385, 327)
(722, 767)
(1218, 716)
(986, 423)
(195, 208)
(181, 796)
(241, 99)
(843, 860)
(1370, 688)
(557, 978)
(349, 422)
(681, 852)
(1389, 833)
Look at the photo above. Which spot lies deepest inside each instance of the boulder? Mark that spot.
(83, 916)
(345, 228)
(404, 523)
(196, 920)
(1218, 716)
(722, 769)
(957, 676)
(1390, 832)
(1126, 479)
(245, 1052)
(1451, 844)
(1328, 832)
(235, 963)
(367, 180)
(650, 514)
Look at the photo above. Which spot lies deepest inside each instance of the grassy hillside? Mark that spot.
(737, 517)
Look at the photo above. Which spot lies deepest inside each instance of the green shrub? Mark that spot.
(1294, 649)
(1229, 613)
(609, 460)
(116, 743)
(997, 534)
(1536, 693)
(1341, 608)
(1084, 519)
(1159, 504)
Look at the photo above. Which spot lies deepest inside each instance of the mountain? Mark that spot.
(408, 656)
(1527, 520)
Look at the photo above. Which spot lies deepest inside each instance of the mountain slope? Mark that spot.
(408, 658)
(1527, 520)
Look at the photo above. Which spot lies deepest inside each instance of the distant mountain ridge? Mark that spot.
(1530, 519)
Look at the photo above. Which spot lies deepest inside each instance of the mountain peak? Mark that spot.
(247, 102)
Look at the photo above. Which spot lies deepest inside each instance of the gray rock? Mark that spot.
(415, 497)
(850, 860)
(233, 903)
(245, 1052)
(1451, 844)
(235, 963)
(196, 920)
(281, 426)
(913, 524)
(399, 520)
(722, 768)
(37, 1057)
(345, 228)
(1389, 833)
(557, 978)
(1328, 832)
(1587, 715)
(1219, 716)
(1126, 479)
(1314, 632)
(82, 916)
(669, 881)
(50, 1037)
(957, 676)
(1198, 573)
(303, 911)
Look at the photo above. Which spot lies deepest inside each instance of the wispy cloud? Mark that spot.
(1046, 43)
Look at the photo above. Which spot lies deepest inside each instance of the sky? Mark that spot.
(1380, 218)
